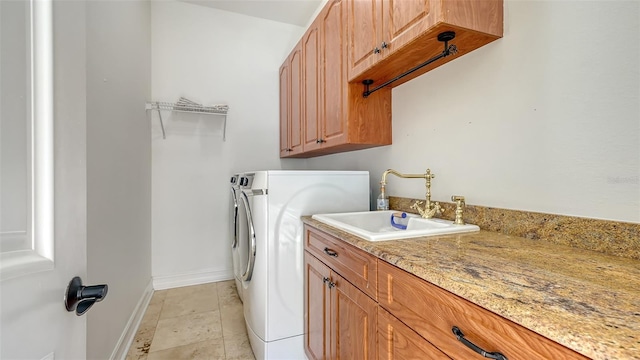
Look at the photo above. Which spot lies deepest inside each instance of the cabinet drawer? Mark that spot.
(432, 312)
(396, 341)
(353, 264)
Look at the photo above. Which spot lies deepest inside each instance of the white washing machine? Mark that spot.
(234, 224)
(271, 204)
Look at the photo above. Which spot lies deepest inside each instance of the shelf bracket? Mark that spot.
(444, 37)
(164, 136)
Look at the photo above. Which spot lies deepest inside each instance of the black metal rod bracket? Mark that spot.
(444, 37)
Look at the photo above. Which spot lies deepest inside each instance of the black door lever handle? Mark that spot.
(80, 298)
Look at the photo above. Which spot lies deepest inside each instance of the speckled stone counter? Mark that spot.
(607, 236)
(584, 300)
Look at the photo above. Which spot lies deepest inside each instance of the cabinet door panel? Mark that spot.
(295, 119)
(354, 317)
(365, 33)
(396, 341)
(334, 74)
(405, 20)
(317, 302)
(312, 115)
(284, 109)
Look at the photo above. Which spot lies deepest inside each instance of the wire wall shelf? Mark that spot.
(185, 105)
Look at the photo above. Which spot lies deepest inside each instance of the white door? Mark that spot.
(34, 323)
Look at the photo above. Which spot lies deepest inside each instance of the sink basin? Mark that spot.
(376, 225)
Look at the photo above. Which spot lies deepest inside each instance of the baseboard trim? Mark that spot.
(191, 278)
(129, 332)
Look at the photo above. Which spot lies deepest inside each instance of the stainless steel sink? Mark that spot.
(376, 225)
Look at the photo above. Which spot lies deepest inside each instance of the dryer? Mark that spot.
(270, 240)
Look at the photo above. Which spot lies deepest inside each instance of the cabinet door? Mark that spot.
(284, 109)
(295, 118)
(311, 70)
(316, 303)
(396, 341)
(354, 318)
(334, 77)
(405, 20)
(364, 34)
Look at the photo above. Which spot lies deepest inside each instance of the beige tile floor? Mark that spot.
(194, 322)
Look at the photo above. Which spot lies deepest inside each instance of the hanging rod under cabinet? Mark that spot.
(187, 106)
(443, 37)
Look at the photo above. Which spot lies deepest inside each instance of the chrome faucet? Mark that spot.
(430, 208)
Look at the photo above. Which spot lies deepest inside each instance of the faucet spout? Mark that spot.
(430, 208)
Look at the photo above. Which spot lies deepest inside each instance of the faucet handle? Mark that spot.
(416, 207)
(459, 200)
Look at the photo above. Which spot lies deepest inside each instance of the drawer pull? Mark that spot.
(330, 252)
(491, 355)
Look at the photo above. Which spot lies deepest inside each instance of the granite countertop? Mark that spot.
(584, 300)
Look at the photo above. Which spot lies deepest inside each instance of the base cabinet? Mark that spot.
(341, 320)
(361, 307)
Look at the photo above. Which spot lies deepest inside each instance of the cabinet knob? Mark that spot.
(320, 141)
(384, 45)
(376, 51)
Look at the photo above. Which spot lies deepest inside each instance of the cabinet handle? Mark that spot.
(491, 355)
(328, 281)
(376, 51)
(330, 252)
(384, 45)
(320, 141)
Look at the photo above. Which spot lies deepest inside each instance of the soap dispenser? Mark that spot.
(383, 200)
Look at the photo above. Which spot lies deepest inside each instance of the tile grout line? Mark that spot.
(224, 343)
(155, 327)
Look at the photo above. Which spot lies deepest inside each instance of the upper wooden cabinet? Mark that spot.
(335, 117)
(284, 108)
(389, 37)
(353, 40)
(291, 104)
(312, 114)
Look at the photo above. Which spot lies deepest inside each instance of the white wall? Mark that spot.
(545, 119)
(211, 57)
(118, 165)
